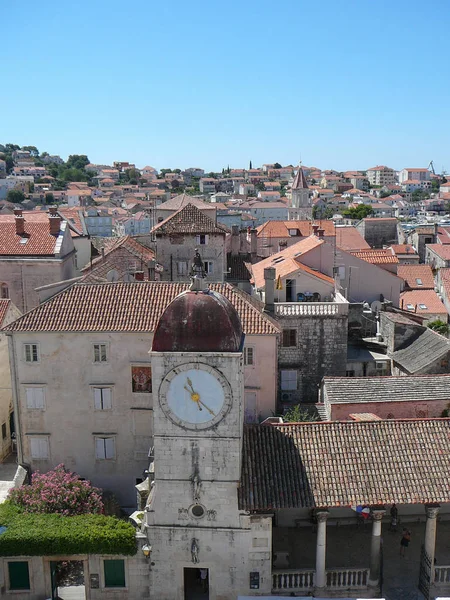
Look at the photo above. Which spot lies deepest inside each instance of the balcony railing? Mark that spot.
(442, 575)
(293, 579)
(347, 578)
(309, 309)
(303, 580)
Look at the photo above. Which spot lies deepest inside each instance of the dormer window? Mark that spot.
(419, 281)
(293, 232)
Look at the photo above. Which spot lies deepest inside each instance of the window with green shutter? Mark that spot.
(114, 573)
(19, 576)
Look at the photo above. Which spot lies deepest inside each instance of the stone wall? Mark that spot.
(424, 409)
(170, 250)
(321, 350)
(378, 232)
(395, 334)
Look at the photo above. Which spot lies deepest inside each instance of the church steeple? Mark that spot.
(300, 196)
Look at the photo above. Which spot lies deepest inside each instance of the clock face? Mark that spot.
(195, 396)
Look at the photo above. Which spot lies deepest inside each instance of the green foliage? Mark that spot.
(435, 185)
(438, 326)
(277, 166)
(49, 198)
(299, 414)
(77, 161)
(360, 212)
(419, 195)
(15, 196)
(325, 212)
(32, 150)
(52, 534)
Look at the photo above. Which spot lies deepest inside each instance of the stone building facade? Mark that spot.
(36, 250)
(378, 232)
(179, 236)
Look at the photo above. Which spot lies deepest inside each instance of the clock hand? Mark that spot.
(207, 408)
(194, 397)
(190, 385)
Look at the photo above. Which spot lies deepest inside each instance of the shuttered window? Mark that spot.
(39, 447)
(105, 448)
(102, 398)
(19, 575)
(35, 397)
(114, 573)
(289, 338)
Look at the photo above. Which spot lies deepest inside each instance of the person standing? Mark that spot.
(404, 542)
(394, 518)
(204, 579)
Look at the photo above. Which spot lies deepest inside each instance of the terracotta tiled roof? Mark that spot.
(189, 219)
(419, 299)
(285, 261)
(310, 465)
(130, 307)
(183, 200)
(412, 273)
(4, 305)
(37, 233)
(237, 267)
(376, 257)
(123, 254)
(403, 249)
(281, 228)
(443, 251)
(349, 238)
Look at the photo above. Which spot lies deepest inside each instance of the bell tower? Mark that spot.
(193, 523)
(301, 196)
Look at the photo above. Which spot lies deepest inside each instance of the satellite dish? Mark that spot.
(376, 306)
(128, 277)
(112, 275)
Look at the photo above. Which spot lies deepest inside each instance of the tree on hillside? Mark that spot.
(360, 212)
(277, 166)
(15, 196)
(32, 150)
(77, 161)
(58, 491)
(250, 165)
(49, 198)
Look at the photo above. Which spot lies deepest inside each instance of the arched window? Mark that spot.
(4, 291)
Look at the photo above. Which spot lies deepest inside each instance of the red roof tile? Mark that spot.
(419, 299)
(412, 273)
(130, 307)
(37, 233)
(309, 465)
(4, 305)
(190, 220)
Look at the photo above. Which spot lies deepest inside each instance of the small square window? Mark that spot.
(419, 281)
(31, 352)
(105, 448)
(288, 380)
(35, 398)
(39, 447)
(100, 353)
(249, 356)
(410, 306)
(423, 307)
(209, 267)
(102, 398)
(114, 571)
(202, 239)
(19, 575)
(289, 338)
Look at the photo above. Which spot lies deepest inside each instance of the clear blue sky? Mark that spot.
(346, 85)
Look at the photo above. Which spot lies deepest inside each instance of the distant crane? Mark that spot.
(432, 167)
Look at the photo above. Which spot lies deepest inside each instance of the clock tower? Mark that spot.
(200, 540)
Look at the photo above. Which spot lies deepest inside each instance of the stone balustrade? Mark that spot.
(347, 578)
(310, 309)
(442, 575)
(293, 579)
(304, 579)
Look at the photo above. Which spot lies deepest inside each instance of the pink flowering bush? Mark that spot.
(58, 491)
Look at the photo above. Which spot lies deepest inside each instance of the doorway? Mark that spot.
(67, 577)
(290, 290)
(196, 584)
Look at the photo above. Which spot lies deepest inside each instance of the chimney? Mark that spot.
(139, 275)
(235, 240)
(315, 229)
(151, 269)
(269, 296)
(55, 224)
(320, 232)
(20, 221)
(253, 240)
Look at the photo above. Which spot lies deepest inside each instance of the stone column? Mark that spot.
(432, 511)
(375, 547)
(321, 548)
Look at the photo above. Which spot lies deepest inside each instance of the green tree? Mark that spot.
(438, 326)
(49, 198)
(250, 165)
(419, 195)
(360, 212)
(32, 150)
(435, 185)
(15, 196)
(77, 161)
(299, 414)
(277, 166)
(384, 194)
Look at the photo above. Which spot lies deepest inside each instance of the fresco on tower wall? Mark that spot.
(141, 378)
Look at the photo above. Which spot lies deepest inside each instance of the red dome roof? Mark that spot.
(199, 321)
